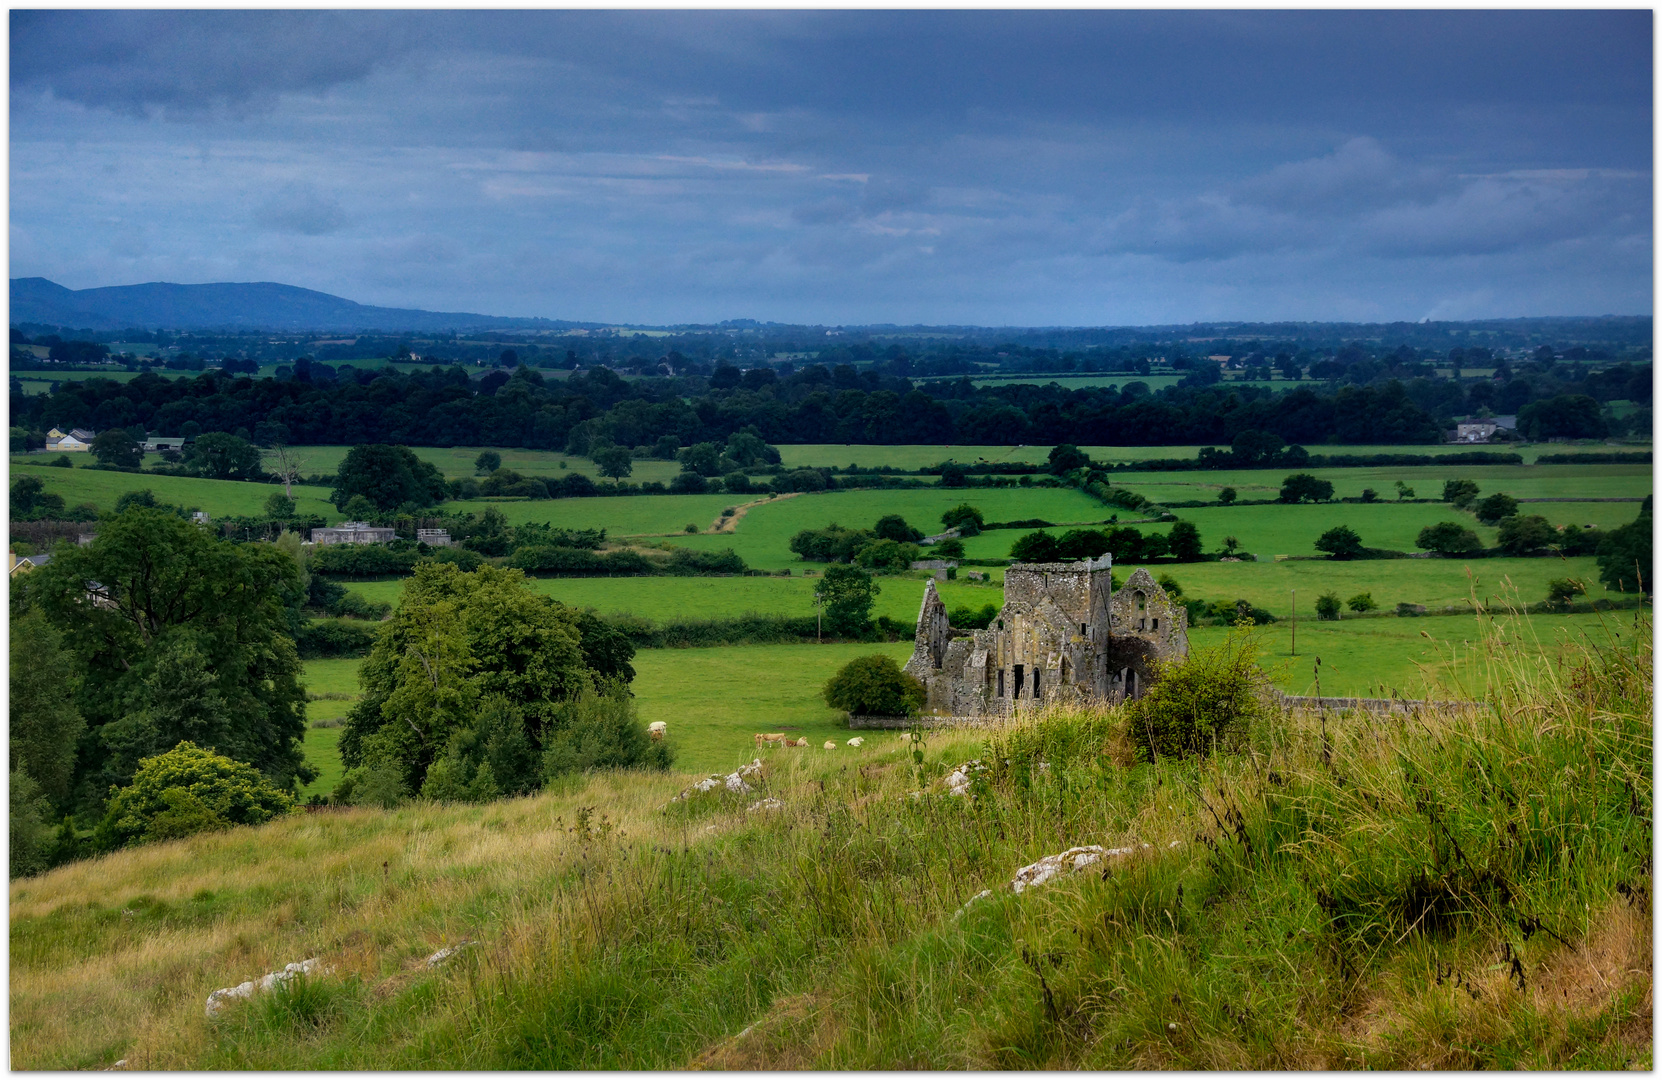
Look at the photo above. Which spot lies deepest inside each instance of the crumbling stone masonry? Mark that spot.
(1063, 636)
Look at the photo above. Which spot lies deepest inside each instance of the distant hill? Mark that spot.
(259, 305)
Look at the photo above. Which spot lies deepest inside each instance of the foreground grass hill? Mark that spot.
(1448, 890)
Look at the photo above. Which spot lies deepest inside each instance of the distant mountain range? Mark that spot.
(259, 305)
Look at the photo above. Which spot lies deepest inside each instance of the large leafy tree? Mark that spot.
(458, 640)
(387, 476)
(848, 593)
(1624, 554)
(225, 457)
(176, 635)
(1340, 542)
(1448, 538)
(45, 722)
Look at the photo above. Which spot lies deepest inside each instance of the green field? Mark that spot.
(623, 515)
(219, 498)
(1411, 658)
(456, 462)
(1518, 481)
(763, 537)
(917, 456)
(1435, 583)
(714, 700)
(669, 598)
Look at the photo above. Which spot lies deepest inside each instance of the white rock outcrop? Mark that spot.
(958, 780)
(242, 991)
(447, 952)
(736, 781)
(765, 804)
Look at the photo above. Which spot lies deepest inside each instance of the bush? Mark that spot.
(325, 639)
(1203, 703)
(1328, 606)
(1035, 547)
(353, 605)
(1302, 487)
(361, 560)
(965, 617)
(1460, 492)
(1448, 538)
(685, 562)
(1624, 555)
(1560, 591)
(600, 729)
(1362, 601)
(1495, 508)
(1340, 542)
(950, 548)
(1226, 496)
(189, 790)
(965, 518)
(894, 527)
(1526, 535)
(875, 686)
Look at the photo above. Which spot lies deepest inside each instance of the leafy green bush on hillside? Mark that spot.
(1203, 703)
(189, 790)
(875, 686)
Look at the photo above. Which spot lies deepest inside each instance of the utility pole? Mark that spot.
(1295, 622)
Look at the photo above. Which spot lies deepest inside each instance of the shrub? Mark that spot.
(361, 560)
(684, 562)
(1460, 492)
(1526, 535)
(1226, 496)
(323, 639)
(894, 527)
(600, 729)
(888, 555)
(355, 606)
(1169, 583)
(965, 518)
(874, 685)
(950, 548)
(1203, 703)
(1560, 591)
(1624, 555)
(1340, 542)
(1362, 601)
(1448, 538)
(1370, 495)
(1302, 487)
(189, 790)
(1328, 606)
(1035, 547)
(965, 617)
(1184, 539)
(1495, 508)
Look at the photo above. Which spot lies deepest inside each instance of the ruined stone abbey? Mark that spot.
(1063, 636)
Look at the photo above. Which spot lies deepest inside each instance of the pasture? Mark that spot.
(1437, 658)
(623, 515)
(714, 700)
(763, 537)
(1518, 481)
(917, 456)
(666, 598)
(218, 498)
(456, 462)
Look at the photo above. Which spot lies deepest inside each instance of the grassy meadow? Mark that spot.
(1518, 481)
(218, 498)
(1458, 891)
(456, 462)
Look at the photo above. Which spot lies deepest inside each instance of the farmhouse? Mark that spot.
(74, 439)
(1063, 636)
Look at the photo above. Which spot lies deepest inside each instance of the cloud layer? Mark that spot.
(990, 167)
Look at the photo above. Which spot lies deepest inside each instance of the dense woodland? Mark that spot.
(1354, 395)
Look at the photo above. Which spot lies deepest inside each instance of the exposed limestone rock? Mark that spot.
(447, 952)
(735, 781)
(242, 991)
(765, 804)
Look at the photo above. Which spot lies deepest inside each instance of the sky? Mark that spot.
(1080, 168)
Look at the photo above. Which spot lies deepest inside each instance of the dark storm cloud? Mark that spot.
(902, 166)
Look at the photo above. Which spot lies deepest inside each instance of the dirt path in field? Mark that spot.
(731, 524)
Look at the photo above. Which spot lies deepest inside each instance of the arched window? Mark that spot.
(1142, 610)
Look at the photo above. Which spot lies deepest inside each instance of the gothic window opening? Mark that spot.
(1036, 692)
(1020, 678)
(1000, 682)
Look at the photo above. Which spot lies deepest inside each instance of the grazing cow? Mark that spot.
(657, 729)
(775, 739)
